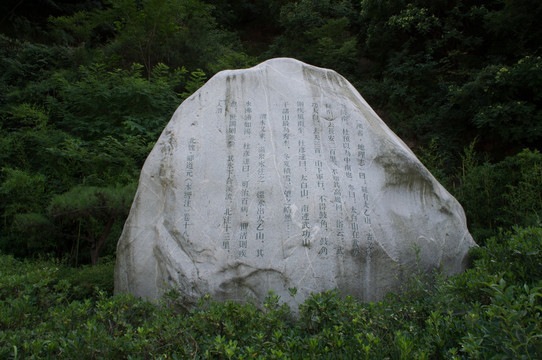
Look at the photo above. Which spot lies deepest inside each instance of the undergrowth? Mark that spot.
(492, 310)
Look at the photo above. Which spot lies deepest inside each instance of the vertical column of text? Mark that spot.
(260, 194)
(189, 178)
(365, 207)
(348, 163)
(286, 168)
(245, 178)
(320, 183)
(304, 178)
(230, 175)
(337, 189)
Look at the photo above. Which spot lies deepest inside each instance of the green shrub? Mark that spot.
(493, 310)
(88, 279)
(96, 102)
(510, 327)
(501, 195)
(515, 255)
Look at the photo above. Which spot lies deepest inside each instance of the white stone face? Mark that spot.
(282, 176)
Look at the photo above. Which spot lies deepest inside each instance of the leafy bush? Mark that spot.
(504, 102)
(515, 256)
(491, 311)
(504, 194)
(318, 32)
(86, 280)
(100, 102)
(508, 327)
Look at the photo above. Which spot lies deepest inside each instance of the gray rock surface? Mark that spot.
(282, 176)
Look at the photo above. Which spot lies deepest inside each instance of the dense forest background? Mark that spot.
(86, 87)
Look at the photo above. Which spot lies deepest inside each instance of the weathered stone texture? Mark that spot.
(282, 176)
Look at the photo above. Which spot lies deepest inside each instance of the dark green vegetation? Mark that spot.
(493, 310)
(86, 87)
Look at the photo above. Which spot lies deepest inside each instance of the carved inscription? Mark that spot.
(319, 155)
(188, 183)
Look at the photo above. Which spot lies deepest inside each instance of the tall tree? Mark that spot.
(321, 32)
(169, 31)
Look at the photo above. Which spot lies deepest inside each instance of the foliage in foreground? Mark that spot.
(493, 310)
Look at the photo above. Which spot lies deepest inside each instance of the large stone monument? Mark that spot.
(282, 176)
